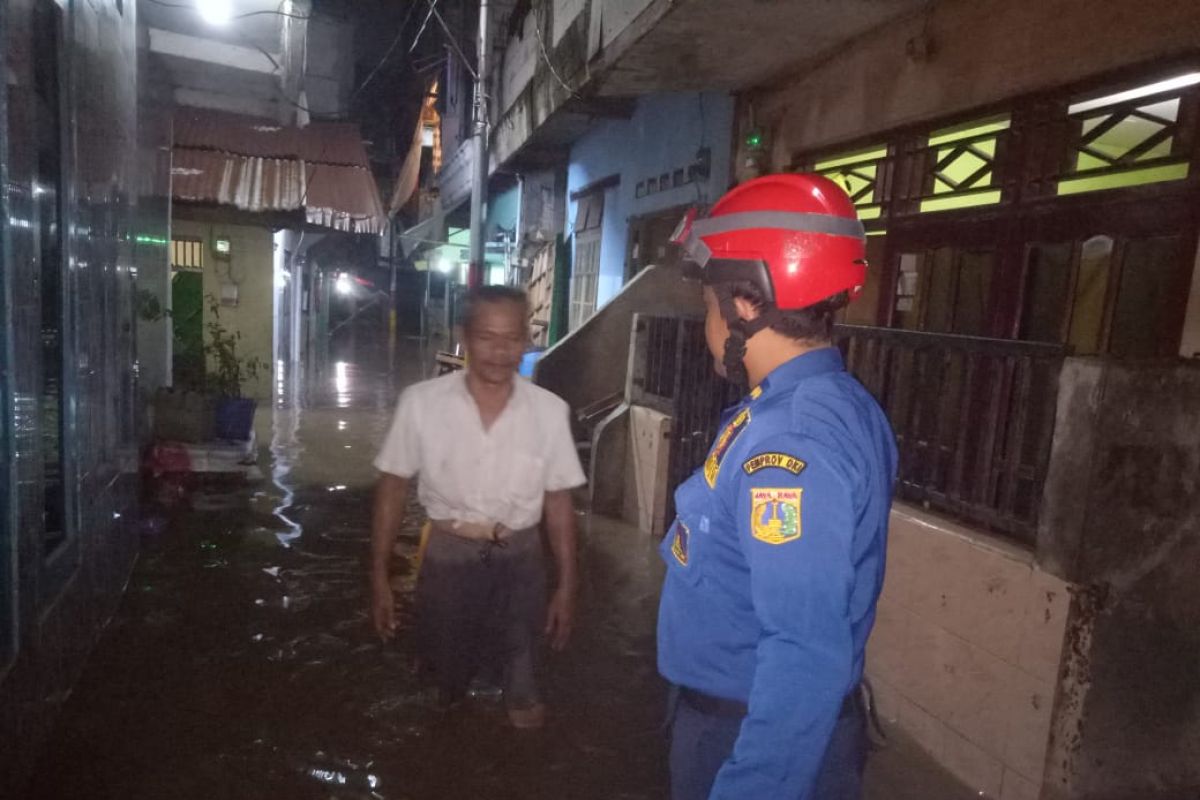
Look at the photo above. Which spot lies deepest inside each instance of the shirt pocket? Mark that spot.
(684, 546)
(526, 479)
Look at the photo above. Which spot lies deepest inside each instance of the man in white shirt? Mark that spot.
(493, 453)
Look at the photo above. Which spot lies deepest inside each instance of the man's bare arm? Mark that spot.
(560, 529)
(391, 495)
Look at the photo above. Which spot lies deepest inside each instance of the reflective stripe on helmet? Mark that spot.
(798, 221)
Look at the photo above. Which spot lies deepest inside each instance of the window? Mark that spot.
(859, 174)
(944, 290)
(1128, 138)
(47, 186)
(585, 275)
(187, 253)
(961, 165)
(1104, 296)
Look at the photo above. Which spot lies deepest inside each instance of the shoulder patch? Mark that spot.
(679, 542)
(775, 515)
(776, 460)
(712, 465)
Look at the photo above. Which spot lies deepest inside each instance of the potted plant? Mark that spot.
(227, 374)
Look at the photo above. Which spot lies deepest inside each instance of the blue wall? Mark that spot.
(663, 135)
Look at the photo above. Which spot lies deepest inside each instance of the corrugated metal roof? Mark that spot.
(257, 166)
(319, 142)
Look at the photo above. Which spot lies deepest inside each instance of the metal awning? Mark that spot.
(257, 166)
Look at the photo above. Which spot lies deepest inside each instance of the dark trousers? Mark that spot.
(481, 605)
(702, 741)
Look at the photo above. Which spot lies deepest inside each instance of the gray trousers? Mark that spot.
(482, 606)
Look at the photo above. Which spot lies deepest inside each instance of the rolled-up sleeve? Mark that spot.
(401, 451)
(563, 470)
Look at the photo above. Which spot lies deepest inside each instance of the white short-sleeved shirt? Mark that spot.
(469, 474)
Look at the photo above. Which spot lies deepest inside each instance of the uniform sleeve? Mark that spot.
(401, 452)
(563, 470)
(796, 520)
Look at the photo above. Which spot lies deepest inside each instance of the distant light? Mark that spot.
(215, 12)
(343, 284)
(754, 139)
(1178, 82)
(444, 265)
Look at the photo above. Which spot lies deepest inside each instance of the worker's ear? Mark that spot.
(745, 309)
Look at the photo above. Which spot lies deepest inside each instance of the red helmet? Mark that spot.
(794, 235)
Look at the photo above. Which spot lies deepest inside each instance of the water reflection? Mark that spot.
(267, 682)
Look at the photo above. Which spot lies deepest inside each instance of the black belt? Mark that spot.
(724, 707)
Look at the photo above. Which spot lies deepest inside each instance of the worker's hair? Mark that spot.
(490, 295)
(812, 324)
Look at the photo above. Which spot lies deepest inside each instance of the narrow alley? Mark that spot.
(241, 663)
(945, 253)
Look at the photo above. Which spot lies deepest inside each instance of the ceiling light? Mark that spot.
(215, 12)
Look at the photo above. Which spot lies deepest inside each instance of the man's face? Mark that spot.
(715, 330)
(496, 340)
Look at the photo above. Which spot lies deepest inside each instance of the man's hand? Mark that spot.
(383, 611)
(560, 618)
(390, 495)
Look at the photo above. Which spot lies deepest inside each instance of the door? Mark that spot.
(585, 273)
(187, 324)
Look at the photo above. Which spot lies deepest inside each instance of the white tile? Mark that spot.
(1018, 787)
(1042, 635)
(981, 772)
(1030, 706)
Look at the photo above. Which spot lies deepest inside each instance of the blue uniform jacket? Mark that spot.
(775, 561)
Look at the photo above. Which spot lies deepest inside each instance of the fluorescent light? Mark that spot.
(215, 12)
(1178, 82)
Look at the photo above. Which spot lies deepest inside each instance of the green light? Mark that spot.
(143, 239)
(754, 139)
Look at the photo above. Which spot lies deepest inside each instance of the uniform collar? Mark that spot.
(808, 365)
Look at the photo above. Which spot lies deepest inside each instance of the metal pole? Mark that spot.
(392, 295)
(480, 175)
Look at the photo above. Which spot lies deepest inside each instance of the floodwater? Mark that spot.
(241, 664)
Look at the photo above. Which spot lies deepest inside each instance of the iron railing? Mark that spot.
(671, 370)
(974, 418)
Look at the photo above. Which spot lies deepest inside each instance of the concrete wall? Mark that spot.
(591, 363)
(1128, 529)
(252, 268)
(966, 651)
(663, 135)
(980, 52)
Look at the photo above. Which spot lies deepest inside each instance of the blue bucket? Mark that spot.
(235, 418)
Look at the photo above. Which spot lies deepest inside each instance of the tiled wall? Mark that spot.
(965, 652)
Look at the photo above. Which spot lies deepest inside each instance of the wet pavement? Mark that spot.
(241, 664)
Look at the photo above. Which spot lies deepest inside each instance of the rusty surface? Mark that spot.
(258, 166)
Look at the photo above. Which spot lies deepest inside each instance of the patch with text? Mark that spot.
(712, 465)
(777, 460)
(775, 515)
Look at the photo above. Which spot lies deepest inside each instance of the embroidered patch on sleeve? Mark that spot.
(778, 460)
(775, 515)
(712, 465)
(679, 544)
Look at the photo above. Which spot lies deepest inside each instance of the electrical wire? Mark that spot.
(388, 53)
(537, 29)
(453, 43)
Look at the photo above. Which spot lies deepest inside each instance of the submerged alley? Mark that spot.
(857, 342)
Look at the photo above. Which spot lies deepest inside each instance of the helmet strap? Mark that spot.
(740, 330)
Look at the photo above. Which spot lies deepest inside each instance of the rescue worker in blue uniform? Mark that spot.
(776, 558)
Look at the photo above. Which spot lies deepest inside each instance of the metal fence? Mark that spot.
(974, 418)
(671, 370)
